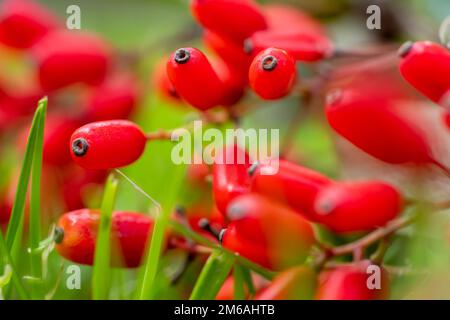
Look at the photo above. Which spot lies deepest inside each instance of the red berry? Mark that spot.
(351, 283)
(357, 206)
(267, 232)
(284, 18)
(116, 98)
(300, 45)
(68, 57)
(372, 123)
(194, 78)
(426, 66)
(162, 83)
(236, 19)
(294, 185)
(298, 283)
(107, 144)
(233, 82)
(230, 175)
(24, 22)
(228, 50)
(129, 230)
(58, 130)
(272, 74)
(227, 290)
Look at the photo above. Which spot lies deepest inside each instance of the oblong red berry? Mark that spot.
(68, 57)
(194, 78)
(293, 185)
(297, 283)
(24, 22)
(129, 232)
(272, 74)
(300, 45)
(426, 66)
(107, 144)
(351, 283)
(116, 98)
(267, 232)
(357, 206)
(230, 175)
(236, 19)
(234, 82)
(372, 123)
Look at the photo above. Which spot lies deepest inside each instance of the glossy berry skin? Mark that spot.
(234, 82)
(267, 233)
(272, 74)
(194, 79)
(107, 144)
(350, 283)
(66, 57)
(129, 231)
(293, 185)
(24, 22)
(372, 123)
(426, 66)
(300, 45)
(58, 130)
(357, 206)
(116, 98)
(297, 283)
(236, 19)
(230, 175)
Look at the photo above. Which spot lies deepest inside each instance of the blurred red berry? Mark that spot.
(426, 66)
(129, 231)
(24, 22)
(69, 57)
(236, 19)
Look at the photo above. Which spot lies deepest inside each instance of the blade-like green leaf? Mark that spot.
(213, 275)
(102, 259)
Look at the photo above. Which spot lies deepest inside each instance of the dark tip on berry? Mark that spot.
(405, 49)
(251, 171)
(58, 235)
(80, 147)
(180, 210)
(221, 234)
(269, 63)
(325, 208)
(248, 46)
(182, 56)
(205, 225)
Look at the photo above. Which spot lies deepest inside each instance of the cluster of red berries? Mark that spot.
(77, 71)
(267, 219)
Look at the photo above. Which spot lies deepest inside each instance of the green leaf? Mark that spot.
(213, 275)
(35, 195)
(102, 258)
(238, 288)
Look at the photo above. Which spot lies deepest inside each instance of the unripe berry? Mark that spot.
(236, 19)
(116, 98)
(194, 78)
(357, 206)
(298, 283)
(272, 74)
(24, 22)
(300, 45)
(426, 66)
(230, 175)
(267, 233)
(352, 283)
(293, 185)
(68, 57)
(129, 231)
(107, 144)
